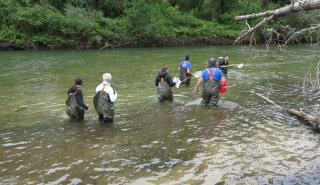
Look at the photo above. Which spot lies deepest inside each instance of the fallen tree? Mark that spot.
(300, 5)
(311, 120)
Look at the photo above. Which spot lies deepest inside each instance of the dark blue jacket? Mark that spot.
(166, 77)
(222, 63)
(78, 96)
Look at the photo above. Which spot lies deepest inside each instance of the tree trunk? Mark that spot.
(293, 7)
(301, 5)
(311, 120)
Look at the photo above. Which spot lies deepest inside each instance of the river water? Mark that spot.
(242, 141)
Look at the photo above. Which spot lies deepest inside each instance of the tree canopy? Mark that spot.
(122, 23)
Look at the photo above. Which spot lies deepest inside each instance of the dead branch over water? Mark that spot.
(311, 120)
(301, 5)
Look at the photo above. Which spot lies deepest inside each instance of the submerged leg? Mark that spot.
(214, 99)
(170, 98)
(100, 117)
(205, 97)
(107, 120)
(80, 114)
(188, 82)
(161, 99)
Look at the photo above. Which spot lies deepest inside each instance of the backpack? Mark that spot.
(73, 110)
(103, 105)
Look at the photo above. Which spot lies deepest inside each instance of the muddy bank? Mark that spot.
(136, 42)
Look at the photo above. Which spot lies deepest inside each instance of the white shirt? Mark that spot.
(106, 87)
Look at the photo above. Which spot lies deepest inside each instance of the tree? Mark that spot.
(301, 5)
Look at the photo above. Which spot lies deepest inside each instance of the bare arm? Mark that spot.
(199, 82)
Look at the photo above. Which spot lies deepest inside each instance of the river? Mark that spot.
(242, 141)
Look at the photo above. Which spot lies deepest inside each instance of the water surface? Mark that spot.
(242, 141)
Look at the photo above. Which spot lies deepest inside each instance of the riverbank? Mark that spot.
(34, 25)
(142, 42)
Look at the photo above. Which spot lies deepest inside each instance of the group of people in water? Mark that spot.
(212, 79)
(103, 100)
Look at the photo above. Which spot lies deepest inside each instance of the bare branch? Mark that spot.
(253, 29)
(311, 120)
(265, 98)
(250, 16)
(318, 75)
(311, 81)
(300, 32)
(248, 25)
(293, 7)
(301, 5)
(272, 31)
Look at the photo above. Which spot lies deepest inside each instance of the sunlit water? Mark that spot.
(242, 141)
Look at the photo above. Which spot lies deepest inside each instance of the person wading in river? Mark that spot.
(224, 64)
(104, 99)
(185, 68)
(164, 82)
(212, 78)
(75, 104)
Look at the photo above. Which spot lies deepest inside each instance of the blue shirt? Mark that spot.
(185, 64)
(216, 76)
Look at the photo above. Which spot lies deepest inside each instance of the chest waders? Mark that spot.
(210, 91)
(183, 75)
(74, 111)
(104, 107)
(164, 91)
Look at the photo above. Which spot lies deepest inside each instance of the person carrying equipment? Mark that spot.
(212, 78)
(164, 83)
(185, 68)
(75, 104)
(104, 99)
(224, 64)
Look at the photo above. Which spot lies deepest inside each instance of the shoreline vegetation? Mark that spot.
(101, 24)
(167, 42)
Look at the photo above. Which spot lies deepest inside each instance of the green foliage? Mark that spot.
(37, 19)
(43, 24)
(111, 8)
(156, 19)
(10, 34)
(94, 22)
(81, 21)
(215, 9)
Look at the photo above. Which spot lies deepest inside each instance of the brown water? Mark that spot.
(243, 141)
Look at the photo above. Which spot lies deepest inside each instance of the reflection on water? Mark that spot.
(242, 141)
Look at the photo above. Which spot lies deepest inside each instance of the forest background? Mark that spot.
(51, 24)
